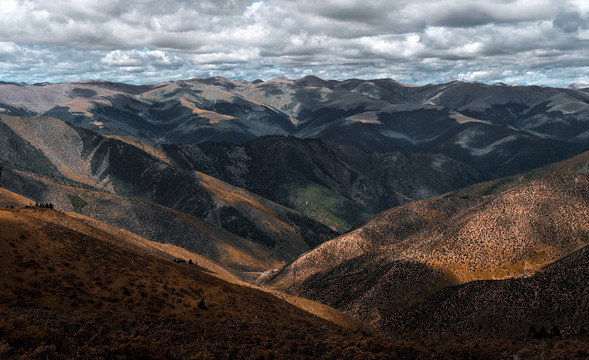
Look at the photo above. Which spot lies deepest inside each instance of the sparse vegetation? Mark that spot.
(202, 305)
(409, 253)
(183, 261)
(110, 299)
(40, 206)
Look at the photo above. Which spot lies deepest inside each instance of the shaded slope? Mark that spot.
(77, 293)
(334, 184)
(553, 299)
(576, 164)
(149, 220)
(441, 241)
(18, 153)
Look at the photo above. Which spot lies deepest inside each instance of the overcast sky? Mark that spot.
(418, 42)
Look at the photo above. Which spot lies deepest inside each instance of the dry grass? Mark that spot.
(71, 292)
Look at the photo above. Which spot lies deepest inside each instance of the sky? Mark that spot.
(529, 42)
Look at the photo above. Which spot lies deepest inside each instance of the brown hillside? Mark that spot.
(403, 255)
(92, 227)
(149, 220)
(8, 199)
(67, 294)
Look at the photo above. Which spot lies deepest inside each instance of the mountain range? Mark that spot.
(497, 128)
(380, 217)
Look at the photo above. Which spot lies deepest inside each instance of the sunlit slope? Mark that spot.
(404, 254)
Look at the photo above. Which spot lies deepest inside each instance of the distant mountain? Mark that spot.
(404, 255)
(497, 128)
(336, 185)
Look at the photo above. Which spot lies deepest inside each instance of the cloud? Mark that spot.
(417, 41)
(141, 58)
(570, 22)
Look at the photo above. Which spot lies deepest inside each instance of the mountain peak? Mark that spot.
(578, 86)
(280, 79)
(311, 80)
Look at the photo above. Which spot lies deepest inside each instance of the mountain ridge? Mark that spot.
(114, 167)
(499, 129)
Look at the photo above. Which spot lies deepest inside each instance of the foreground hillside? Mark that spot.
(79, 290)
(84, 288)
(410, 252)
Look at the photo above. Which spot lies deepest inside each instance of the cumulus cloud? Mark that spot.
(417, 41)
